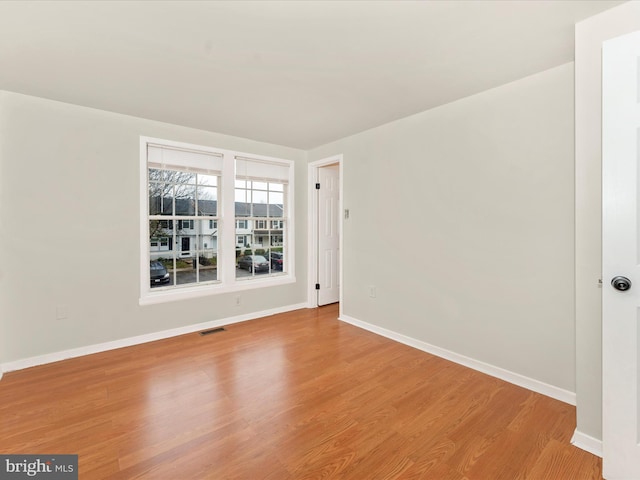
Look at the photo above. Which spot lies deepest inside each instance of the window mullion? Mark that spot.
(228, 219)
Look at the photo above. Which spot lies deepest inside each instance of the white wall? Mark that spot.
(463, 218)
(70, 175)
(590, 34)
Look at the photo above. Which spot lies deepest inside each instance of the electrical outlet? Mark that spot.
(237, 300)
(372, 291)
(61, 312)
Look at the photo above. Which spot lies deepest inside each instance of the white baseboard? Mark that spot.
(506, 375)
(587, 443)
(149, 337)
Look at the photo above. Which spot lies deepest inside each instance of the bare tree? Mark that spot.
(166, 185)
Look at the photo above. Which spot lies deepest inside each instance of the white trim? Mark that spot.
(149, 337)
(312, 263)
(186, 293)
(506, 375)
(587, 443)
(144, 212)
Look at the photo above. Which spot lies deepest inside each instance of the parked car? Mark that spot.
(158, 273)
(276, 260)
(253, 263)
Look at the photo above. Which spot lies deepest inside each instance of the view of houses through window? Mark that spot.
(186, 218)
(183, 209)
(259, 238)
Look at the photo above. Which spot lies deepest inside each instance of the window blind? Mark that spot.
(262, 171)
(189, 160)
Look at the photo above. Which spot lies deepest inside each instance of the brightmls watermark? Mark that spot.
(40, 467)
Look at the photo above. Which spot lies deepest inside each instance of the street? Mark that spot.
(186, 276)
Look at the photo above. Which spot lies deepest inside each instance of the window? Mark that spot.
(185, 224)
(182, 191)
(261, 194)
(159, 244)
(195, 239)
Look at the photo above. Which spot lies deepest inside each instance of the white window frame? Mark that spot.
(227, 281)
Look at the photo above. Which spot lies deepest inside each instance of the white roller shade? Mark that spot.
(262, 170)
(190, 160)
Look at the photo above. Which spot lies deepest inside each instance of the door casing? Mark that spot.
(312, 267)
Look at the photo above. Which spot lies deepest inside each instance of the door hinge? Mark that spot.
(317, 186)
(317, 286)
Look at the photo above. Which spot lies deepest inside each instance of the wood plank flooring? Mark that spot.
(294, 396)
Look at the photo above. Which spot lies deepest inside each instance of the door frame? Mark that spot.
(312, 265)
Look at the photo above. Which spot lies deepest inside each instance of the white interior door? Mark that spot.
(328, 234)
(621, 257)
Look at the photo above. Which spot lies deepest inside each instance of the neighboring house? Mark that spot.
(263, 230)
(259, 232)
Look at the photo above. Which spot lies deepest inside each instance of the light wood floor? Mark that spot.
(294, 396)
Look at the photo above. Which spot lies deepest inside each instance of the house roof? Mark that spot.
(185, 206)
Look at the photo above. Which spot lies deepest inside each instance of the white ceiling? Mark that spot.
(296, 73)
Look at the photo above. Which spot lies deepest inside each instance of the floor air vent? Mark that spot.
(213, 330)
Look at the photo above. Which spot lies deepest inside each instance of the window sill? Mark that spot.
(152, 298)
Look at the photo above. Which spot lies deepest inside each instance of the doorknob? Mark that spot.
(621, 283)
